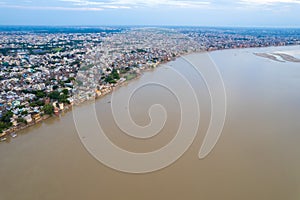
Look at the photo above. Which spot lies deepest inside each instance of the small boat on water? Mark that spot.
(3, 139)
(13, 135)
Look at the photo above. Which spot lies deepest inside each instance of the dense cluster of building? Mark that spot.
(129, 53)
(230, 38)
(43, 73)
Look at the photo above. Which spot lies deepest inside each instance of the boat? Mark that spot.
(13, 135)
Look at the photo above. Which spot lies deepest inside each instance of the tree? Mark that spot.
(4, 125)
(63, 98)
(25, 112)
(33, 104)
(55, 87)
(5, 121)
(112, 77)
(40, 103)
(21, 120)
(40, 94)
(48, 109)
(62, 84)
(115, 74)
(6, 117)
(54, 95)
(65, 91)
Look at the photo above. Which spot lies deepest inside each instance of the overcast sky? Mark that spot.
(271, 13)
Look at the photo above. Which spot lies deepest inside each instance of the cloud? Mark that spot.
(97, 5)
(269, 2)
(52, 8)
(140, 3)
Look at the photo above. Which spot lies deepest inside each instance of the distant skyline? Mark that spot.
(245, 13)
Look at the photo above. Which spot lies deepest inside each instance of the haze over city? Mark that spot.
(245, 13)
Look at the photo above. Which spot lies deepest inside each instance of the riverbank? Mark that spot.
(6, 136)
(10, 133)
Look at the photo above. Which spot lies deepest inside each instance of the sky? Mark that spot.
(236, 13)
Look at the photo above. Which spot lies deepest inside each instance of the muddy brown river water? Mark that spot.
(256, 157)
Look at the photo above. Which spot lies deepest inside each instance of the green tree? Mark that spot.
(40, 94)
(21, 120)
(6, 117)
(115, 74)
(63, 98)
(40, 103)
(55, 87)
(54, 95)
(33, 104)
(5, 121)
(25, 112)
(65, 91)
(48, 109)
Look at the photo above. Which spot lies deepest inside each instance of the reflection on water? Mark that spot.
(257, 156)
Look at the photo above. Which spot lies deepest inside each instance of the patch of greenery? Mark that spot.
(54, 95)
(113, 77)
(55, 87)
(21, 120)
(58, 49)
(37, 103)
(130, 77)
(25, 112)
(65, 91)
(85, 68)
(63, 98)
(48, 109)
(40, 94)
(5, 121)
(125, 70)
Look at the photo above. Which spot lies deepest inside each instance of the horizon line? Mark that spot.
(148, 25)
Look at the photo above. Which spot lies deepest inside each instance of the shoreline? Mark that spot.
(6, 136)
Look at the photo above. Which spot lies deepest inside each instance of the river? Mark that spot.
(256, 157)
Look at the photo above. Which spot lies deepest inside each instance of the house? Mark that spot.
(28, 118)
(36, 117)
